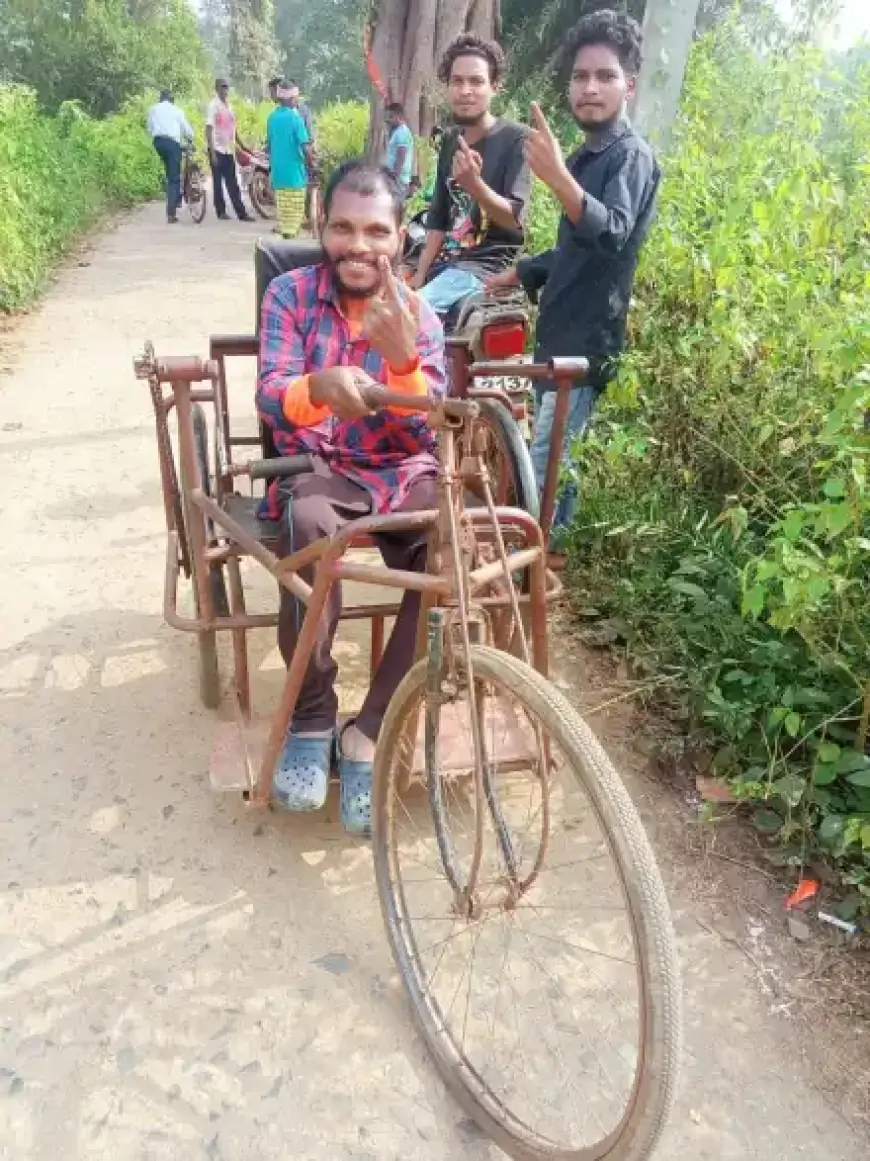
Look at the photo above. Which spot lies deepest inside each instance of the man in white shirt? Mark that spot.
(169, 128)
(223, 138)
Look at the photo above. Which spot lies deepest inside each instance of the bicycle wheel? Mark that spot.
(195, 193)
(549, 998)
(260, 193)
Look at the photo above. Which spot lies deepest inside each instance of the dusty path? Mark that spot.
(180, 979)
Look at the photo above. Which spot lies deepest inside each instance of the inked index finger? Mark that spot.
(389, 282)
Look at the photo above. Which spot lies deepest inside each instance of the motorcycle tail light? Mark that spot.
(503, 340)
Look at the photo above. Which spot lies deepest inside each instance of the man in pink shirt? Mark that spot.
(223, 138)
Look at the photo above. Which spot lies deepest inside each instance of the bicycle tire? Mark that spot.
(259, 193)
(195, 194)
(660, 1026)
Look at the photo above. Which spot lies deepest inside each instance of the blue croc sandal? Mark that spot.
(302, 778)
(356, 794)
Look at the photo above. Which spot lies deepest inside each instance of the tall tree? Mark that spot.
(668, 28)
(99, 52)
(252, 52)
(320, 43)
(408, 38)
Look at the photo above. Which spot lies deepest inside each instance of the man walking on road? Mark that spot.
(169, 128)
(223, 138)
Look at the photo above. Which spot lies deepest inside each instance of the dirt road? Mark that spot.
(180, 979)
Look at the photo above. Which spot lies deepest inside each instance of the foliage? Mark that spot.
(59, 174)
(317, 42)
(726, 517)
(100, 53)
(342, 129)
(321, 46)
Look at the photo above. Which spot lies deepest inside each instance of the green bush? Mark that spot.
(342, 130)
(725, 523)
(60, 173)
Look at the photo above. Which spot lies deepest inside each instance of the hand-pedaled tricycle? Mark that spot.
(520, 895)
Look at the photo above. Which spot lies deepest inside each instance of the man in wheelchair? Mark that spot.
(327, 331)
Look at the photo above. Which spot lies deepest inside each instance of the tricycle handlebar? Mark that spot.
(558, 369)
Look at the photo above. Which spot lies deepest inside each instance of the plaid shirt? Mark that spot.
(303, 330)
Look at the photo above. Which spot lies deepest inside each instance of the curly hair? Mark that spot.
(469, 45)
(618, 30)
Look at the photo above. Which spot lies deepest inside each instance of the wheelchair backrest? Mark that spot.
(274, 256)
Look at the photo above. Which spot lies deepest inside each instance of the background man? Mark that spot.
(482, 186)
(223, 139)
(304, 112)
(399, 158)
(169, 129)
(287, 145)
(327, 332)
(607, 190)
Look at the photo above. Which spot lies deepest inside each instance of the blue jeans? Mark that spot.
(580, 408)
(450, 287)
(170, 155)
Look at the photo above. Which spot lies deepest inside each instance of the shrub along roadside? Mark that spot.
(59, 174)
(725, 525)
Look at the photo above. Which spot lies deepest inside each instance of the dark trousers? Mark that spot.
(224, 173)
(170, 154)
(321, 503)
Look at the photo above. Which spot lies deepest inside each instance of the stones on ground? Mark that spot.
(335, 963)
(799, 928)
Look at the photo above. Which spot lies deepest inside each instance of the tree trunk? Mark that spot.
(667, 37)
(408, 40)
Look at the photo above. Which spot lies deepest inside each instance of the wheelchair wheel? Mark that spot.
(549, 994)
(209, 671)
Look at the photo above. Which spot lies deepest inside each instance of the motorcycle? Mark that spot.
(495, 326)
(254, 168)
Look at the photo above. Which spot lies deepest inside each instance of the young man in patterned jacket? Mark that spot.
(327, 331)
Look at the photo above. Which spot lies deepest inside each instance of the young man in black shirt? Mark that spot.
(482, 186)
(607, 190)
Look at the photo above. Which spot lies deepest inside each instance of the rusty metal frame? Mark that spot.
(564, 373)
(185, 379)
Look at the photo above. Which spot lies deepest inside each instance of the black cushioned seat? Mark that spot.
(274, 256)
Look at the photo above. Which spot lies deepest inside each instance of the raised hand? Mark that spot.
(543, 151)
(392, 320)
(467, 167)
(499, 283)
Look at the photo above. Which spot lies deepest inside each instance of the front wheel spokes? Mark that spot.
(492, 802)
(434, 773)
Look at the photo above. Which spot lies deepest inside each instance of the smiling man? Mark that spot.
(327, 331)
(607, 191)
(482, 183)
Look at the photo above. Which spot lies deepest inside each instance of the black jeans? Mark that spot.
(170, 154)
(224, 173)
